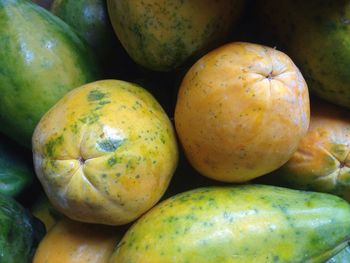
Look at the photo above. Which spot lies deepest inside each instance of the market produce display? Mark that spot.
(174, 131)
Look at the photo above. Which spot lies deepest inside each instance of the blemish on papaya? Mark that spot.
(95, 95)
(109, 144)
(52, 144)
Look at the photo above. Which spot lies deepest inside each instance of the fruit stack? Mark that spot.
(194, 131)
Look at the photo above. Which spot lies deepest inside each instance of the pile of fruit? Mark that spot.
(174, 131)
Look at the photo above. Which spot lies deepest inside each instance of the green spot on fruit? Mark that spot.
(52, 144)
(96, 95)
(109, 144)
(103, 102)
(113, 160)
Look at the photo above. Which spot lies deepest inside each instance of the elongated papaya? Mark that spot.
(242, 224)
(41, 59)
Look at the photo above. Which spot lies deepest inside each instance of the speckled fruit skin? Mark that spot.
(41, 59)
(322, 161)
(253, 223)
(241, 111)
(105, 153)
(75, 242)
(316, 35)
(163, 34)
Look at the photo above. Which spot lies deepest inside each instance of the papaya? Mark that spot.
(239, 224)
(16, 170)
(105, 153)
(90, 20)
(241, 111)
(75, 242)
(316, 35)
(20, 232)
(162, 35)
(321, 162)
(42, 59)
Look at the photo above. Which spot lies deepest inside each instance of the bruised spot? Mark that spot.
(109, 144)
(96, 95)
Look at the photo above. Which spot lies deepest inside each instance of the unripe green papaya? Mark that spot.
(20, 232)
(242, 224)
(41, 59)
(90, 20)
(16, 171)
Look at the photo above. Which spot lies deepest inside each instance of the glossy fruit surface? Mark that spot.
(41, 59)
(105, 153)
(75, 242)
(253, 223)
(241, 111)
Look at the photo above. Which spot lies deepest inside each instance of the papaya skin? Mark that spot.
(105, 153)
(321, 162)
(252, 223)
(316, 34)
(241, 111)
(75, 242)
(90, 20)
(164, 34)
(42, 59)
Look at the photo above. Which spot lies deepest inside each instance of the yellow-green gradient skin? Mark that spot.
(252, 223)
(322, 161)
(163, 34)
(41, 60)
(316, 35)
(105, 153)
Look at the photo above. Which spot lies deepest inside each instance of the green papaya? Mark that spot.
(16, 173)
(90, 20)
(41, 59)
(20, 232)
(316, 34)
(251, 223)
(164, 34)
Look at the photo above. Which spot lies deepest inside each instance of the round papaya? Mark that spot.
(241, 111)
(105, 153)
